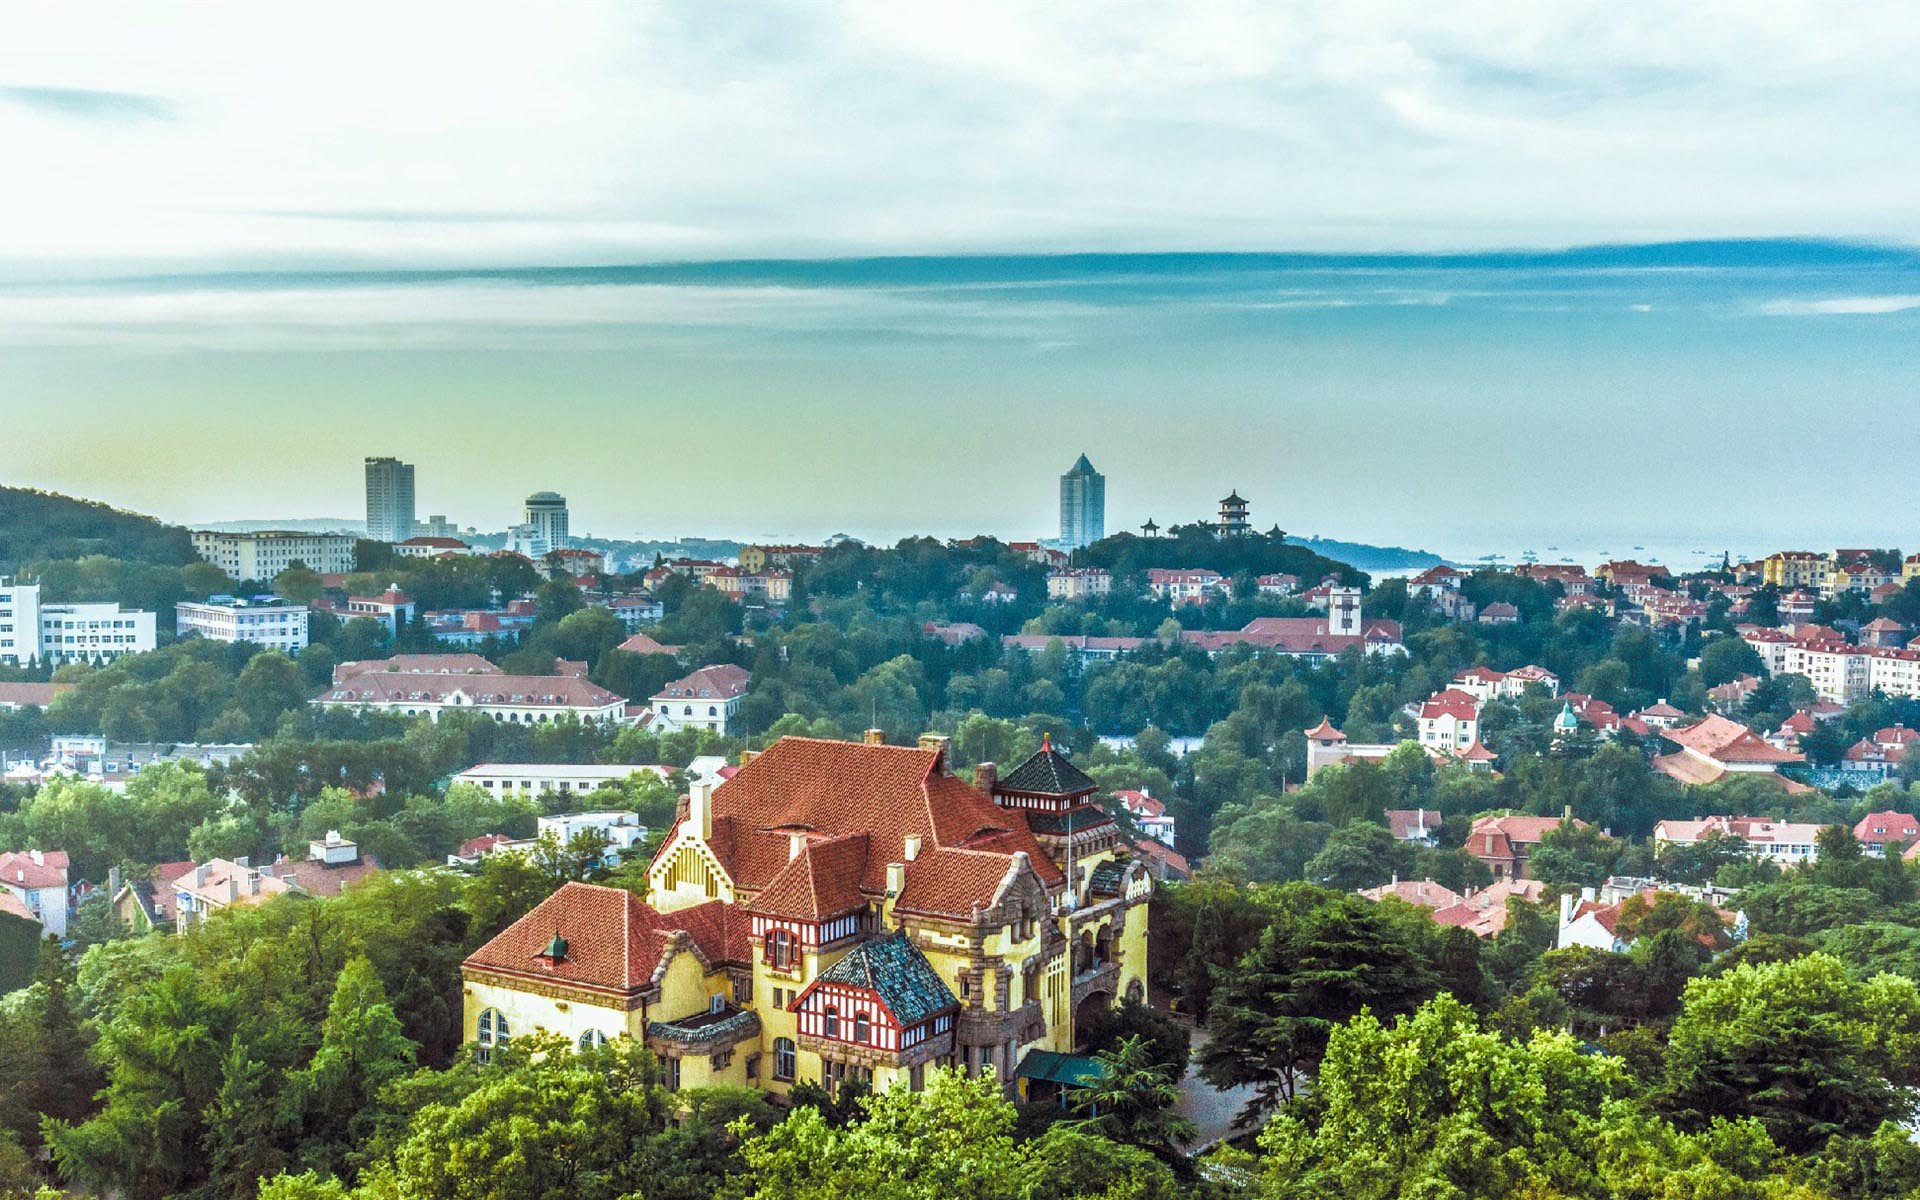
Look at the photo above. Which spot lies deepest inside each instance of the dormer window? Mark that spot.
(780, 950)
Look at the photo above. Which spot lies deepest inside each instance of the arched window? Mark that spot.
(592, 1038)
(486, 1027)
(862, 1028)
(785, 1061)
(831, 1022)
(780, 950)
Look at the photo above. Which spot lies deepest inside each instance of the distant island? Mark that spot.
(1374, 560)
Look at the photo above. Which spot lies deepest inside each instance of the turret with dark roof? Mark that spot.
(1048, 773)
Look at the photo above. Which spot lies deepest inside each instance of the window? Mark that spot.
(785, 1061)
(753, 1066)
(592, 1038)
(717, 1002)
(862, 1028)
(492, 1032)
(831, 1022)
(673, 1074)
(780, 950)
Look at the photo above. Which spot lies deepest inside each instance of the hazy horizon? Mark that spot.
(907, 263)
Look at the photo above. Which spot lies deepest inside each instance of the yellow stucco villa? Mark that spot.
(841, 910)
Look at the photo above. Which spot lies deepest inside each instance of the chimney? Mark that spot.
(1566, 812)
(912, 847)
(253, 883)
(796, 842)
(747, 756)
(874, 737)
(1566, 909)
(700, 809)
(39, 858)
(985, 775)
(200, 876)
(938, 744)
(113, 881)
(242, 861)
(896, 878)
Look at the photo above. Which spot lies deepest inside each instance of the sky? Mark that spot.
(781, 270)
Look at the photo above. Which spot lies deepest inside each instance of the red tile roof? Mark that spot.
(616, 943)
(39, 695)
(886, 793)
(1726, 741)
(820, 882)
(1461, 706)
(641, 643)
(529, 691)
(416, 664)
(723, 681)
(18, 869)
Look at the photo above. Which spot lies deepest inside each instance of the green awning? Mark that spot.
(1069, 1070)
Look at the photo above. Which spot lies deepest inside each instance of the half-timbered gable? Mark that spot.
(882, 1004)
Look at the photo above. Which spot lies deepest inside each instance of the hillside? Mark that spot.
(1191, 547)
(37, 526)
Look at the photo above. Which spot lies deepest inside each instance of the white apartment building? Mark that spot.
(263, 620)
(389, 500)
(534, 780)
(1450, 721)
(96, 632)
(265, 553)
(1079, 582)
(1895, 672)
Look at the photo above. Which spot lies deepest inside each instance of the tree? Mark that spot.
(1325, 957)
(953, 1140)
(362, 1050)
(1134, 1100)
(1360, 855)
(1801, 1046)
(1435, 1105)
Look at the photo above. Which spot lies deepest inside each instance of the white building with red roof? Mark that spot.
(1882, 832)
(1450, 721)
(38, 880)
(1787, 843)
(512, 699)
(708, 698)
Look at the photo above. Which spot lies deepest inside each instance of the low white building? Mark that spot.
(1788, 843)
(706, 699)
(560, 779)
(1450, 721)
(262, 620)
(264, 553)
(618, 831)
(31, 630)
(512, 699)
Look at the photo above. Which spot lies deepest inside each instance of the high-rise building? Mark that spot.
(1083, 505)
(389, 500)
(547, 513)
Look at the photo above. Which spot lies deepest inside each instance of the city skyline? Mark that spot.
(1294, 378)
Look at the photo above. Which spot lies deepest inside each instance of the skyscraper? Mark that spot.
(1083, 505)
(389, 500)
(547, 514)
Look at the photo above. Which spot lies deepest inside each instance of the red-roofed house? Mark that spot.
(1883, 831)
(706, 699)
(38, 880)
(865, 880)
(1450, 721)
(1505, 843)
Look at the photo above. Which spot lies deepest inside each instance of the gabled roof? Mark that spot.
(18, 869)
(950, 881)
(888, 793)
(1047, 773)
(894, 969)
(820, 882)
(1461, 706)
(615, 941)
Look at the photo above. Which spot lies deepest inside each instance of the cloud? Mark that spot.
(627, 130)
(87, 103)
(1841, 306)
